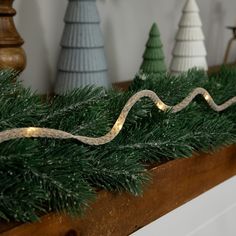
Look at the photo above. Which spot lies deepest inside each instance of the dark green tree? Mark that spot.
(153, 57)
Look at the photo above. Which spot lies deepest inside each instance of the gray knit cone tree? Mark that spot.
(82, 59)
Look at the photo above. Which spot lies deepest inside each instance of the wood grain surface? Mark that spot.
(173, 184)
(11, 53)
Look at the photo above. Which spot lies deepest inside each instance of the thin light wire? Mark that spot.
(35, 132)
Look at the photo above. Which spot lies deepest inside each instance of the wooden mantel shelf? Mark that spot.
(174, 183)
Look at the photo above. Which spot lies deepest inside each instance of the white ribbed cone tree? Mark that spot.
(82, 58)
(189, 50)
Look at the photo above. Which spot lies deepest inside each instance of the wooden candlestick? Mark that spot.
(230, 43)
(11, 53)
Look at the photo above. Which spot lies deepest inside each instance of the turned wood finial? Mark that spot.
(11, 53)
(230, 43)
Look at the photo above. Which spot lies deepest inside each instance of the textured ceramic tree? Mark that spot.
(82, 59)
(189, 50)
(153, 58)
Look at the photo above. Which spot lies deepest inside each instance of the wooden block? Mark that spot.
(173, 184)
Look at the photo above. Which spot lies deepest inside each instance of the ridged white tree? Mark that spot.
(189, 50)
(82, 59)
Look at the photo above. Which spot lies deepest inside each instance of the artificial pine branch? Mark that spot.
(42, 175)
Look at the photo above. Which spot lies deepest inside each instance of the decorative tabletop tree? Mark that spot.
(153, 58)
(82, 59)
(189, 50)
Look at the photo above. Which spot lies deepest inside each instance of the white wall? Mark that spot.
(211, 214)
(125, 24)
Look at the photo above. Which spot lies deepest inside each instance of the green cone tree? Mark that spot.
(153, 57)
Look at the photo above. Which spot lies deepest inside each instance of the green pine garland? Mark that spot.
(43, 175)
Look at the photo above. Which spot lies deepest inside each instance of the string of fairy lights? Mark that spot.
(36, 132)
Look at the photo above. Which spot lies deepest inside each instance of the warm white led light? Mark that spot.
(162, 106)
(31, 131)
(207, 97)
(118, 125)
(59, 134)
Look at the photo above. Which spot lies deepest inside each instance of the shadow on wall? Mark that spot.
(110, 43)
(172, 20)
(57, 27)
(110, 46)
(216, 31)
(37, 71)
